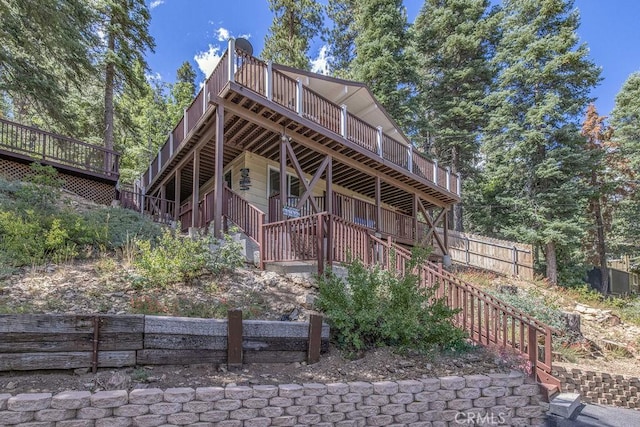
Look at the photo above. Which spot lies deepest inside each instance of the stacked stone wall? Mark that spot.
(494, 399)
(600, 387)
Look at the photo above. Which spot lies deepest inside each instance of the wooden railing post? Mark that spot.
(186, 123)
(261, 241)
(448, 178)
(532, 349)
(379, 137)
(435, 172)
(234, 339)
(231, 51)
(410, 161)
(299, 92)
(171, 147)
(515, 260)
(269, 80)
(315, 338)
(458, 184)
(320, 242)
(343, 121)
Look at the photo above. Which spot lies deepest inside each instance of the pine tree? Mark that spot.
(341, 36)
(126, 30)
(626, 122)
(184, 88)
(452, 41)
(45, 49)
(532, 145)
(605, 178)
(381, 59)
(295, 24)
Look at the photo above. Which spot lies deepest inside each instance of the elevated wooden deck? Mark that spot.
(88, 170)
(261, 103)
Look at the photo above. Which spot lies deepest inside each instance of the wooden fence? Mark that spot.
(43, 341)
(500, 256)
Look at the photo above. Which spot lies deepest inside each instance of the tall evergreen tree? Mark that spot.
(625, 119)
(341, 36)
(295, 24)
(126, 32)
(533, 147)
(381, 59)
(45, 48)
(452, 41)
(184, 88)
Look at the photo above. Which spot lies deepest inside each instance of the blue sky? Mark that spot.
(196, 30)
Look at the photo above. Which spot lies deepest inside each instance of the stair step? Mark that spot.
(564, 404)
(549, 391)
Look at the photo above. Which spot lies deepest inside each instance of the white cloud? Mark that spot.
(156, 3)
(208, 59)
(223, 34)
(153, 77)
(244, 36)
(321, 63)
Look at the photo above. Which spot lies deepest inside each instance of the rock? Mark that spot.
(11, 385)
(508, 289)
(81, 371)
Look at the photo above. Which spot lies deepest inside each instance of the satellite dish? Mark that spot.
(244, 45)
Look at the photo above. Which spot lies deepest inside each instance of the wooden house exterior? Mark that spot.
(351, 174)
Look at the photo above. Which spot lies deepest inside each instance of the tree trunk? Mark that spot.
(110, 73)
(601, 247)
(457, 208)
(552, 263)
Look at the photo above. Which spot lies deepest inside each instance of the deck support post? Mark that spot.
(445, 231)
(415, 218)
(163, 202)
(177, 184)
(283, 177)
(329, 208)
(231, 51)
(219, 173)
(195, 193)
(378, 202)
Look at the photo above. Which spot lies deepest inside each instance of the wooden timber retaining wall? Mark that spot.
(43, 341)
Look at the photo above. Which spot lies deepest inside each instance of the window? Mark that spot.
(227, 178)
(294, 186)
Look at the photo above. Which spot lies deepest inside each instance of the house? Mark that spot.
(310, 167)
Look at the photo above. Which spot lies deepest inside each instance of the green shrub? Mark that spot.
(175, 259)
(41, 188)
(376, 308)
(226, 254)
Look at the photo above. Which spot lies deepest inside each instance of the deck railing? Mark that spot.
(299, 239)
(159, 209)
(291, 94)
(487, 320)
(275, 208)
(245, 215)
(58, 150)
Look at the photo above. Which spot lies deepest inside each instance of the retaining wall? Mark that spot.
(494, 399)
(600, 387)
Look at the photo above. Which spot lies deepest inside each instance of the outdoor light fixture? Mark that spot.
(245, 181)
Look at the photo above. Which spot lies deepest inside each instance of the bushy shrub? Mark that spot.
(174, 258)
(34, 229)
(377, 308)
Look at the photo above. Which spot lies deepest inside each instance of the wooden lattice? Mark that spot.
(96, 191)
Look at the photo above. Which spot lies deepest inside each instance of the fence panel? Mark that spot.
(499, 256)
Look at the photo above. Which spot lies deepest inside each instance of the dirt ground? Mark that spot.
(101, 286)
